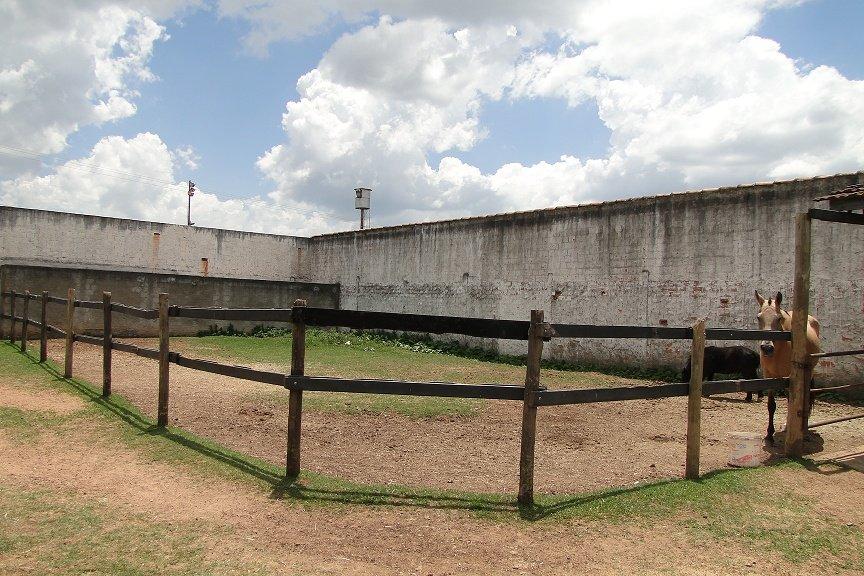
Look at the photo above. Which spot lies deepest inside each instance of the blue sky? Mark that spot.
(510, 112)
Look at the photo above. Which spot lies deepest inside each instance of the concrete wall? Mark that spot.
(142, 289)
(663, 260)
(41, 237)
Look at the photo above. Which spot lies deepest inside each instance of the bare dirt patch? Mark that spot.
(13, 396)
(279, 537)
(579, 448)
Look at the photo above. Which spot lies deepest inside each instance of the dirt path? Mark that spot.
(579, 448)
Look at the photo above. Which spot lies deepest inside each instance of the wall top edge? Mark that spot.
(149, 223)
(588, 206)
(490, 218)
(132, 272)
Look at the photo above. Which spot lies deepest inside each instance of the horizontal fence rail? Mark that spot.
(650, 392)
(836, 216)
(835, 354)
(360, 320)
(592, 331)
(277, 378)
(95, 340)
(407, 388)
(151, 353)
(145, 313)
(92, 304)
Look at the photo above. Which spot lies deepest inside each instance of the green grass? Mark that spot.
(57, 534)
(782, 522)
(330, 353)
(740, 506)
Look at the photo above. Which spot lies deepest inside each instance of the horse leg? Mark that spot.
(772, 407)
(749, 397)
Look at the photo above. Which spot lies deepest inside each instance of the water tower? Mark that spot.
(361, 202)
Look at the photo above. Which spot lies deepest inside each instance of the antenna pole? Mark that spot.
(190, 193)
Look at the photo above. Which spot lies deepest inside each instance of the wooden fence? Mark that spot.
(532, 394)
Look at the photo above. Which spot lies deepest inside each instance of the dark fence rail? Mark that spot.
(835, 354)
(151, 353)
(277, 378)
(836, 216)
(145, 313)
(55, 329)
(95, 340)
(56, 300)
(407, 388)
(92, 304)
(709, 388)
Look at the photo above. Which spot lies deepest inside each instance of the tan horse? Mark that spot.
(775, 356)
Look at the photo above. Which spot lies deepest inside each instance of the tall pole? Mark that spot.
(189, 194)
(362, 218)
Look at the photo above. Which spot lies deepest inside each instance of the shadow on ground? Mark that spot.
(314, 488)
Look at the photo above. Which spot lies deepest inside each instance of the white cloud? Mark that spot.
(65, 65)
(135, 178)
(692, 97)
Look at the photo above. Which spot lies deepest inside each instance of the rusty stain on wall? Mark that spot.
(154, 250)
(205, 266)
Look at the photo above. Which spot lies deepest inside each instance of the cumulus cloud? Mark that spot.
(135, 178)
(64, 65)
(692, 96)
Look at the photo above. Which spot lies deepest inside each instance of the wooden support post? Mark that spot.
(12, 317)
(694, 401)
(25, 322)
(106, 344)
(529, 409)
(162, 410)
(2, 302)
(43, 331)
(799, 377)
(70, 331)
(295, 399)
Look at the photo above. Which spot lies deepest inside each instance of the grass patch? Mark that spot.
(50, 533)
(350, 355)
(781, 522)
(372, 340)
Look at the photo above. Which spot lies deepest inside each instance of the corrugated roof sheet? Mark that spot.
(853, 191)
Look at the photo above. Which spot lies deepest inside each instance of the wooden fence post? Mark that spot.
(70, 331)
(43, 331)
(529, 409)
(162, 411)
(2, 301)
(25, 322)
(106, 344)
(295, 398)
(799, 377)
(694, 401)
(12, 317)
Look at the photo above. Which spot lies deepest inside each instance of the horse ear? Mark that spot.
(759, 298)
(779, 299)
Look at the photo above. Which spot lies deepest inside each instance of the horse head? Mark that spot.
(771, 317)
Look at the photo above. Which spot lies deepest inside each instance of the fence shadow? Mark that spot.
(316, 489)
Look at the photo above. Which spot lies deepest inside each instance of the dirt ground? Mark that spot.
(579, 448)
(246, 525)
